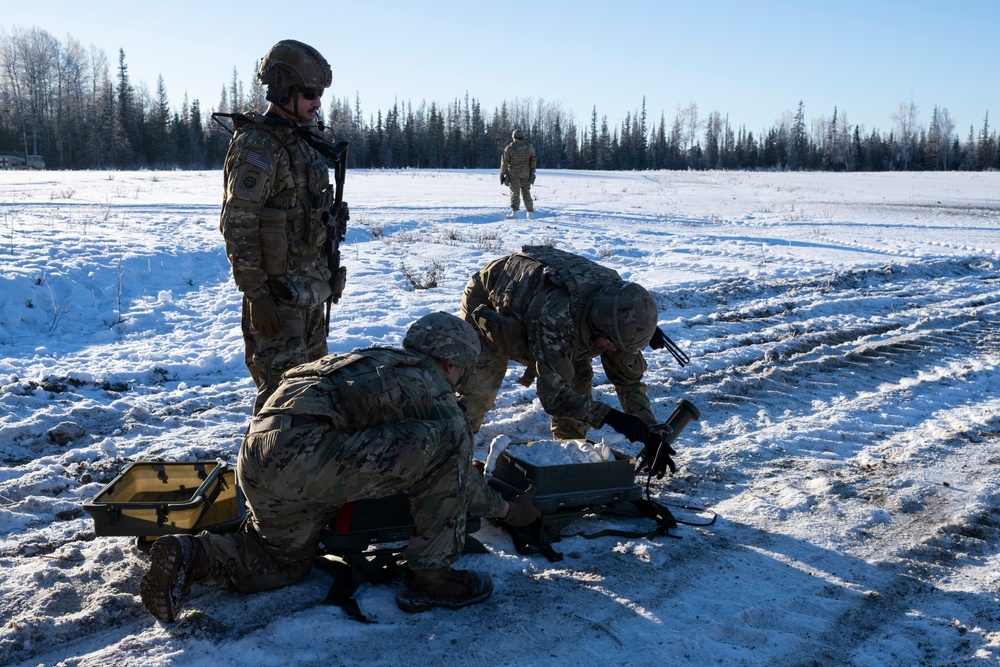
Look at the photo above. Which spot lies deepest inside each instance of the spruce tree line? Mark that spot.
(65, 103)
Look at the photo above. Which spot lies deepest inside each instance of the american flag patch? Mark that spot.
(257, 160)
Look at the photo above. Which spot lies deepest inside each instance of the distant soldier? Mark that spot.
(554, 312)
(274, 219)
(517, 170)
(349, 427)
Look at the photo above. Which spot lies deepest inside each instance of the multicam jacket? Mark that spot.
(518, 159)
(385, 391)
(277, 190)
(532, 307)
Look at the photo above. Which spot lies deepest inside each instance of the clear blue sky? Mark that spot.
(753, 60)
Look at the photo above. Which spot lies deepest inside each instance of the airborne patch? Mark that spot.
(249, 181)
(248, 184)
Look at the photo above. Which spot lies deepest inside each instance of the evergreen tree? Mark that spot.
(65, 103)
(605, 152)
(122, 150)
(798, 156)
(159, 152)
(592, 148)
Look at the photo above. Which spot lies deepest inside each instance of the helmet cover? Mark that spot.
(625, 313)
(290, 65)
(444, 337)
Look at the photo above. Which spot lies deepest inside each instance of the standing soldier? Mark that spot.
(349, 427)
(554, 312)
(275, 217)
(517, 170)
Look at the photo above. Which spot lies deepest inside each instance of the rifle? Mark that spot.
(338, 214)
(336, 220)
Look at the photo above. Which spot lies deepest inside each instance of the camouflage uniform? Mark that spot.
(517, 166)
(348, 427)
(277, 190)
(527, 307)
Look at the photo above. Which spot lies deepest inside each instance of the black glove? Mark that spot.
(656, 455)
(630, 426)
(341, 212)
(522, 511)
(264, 317)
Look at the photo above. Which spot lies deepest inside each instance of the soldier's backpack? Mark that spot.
(355, 390)
(581, 277)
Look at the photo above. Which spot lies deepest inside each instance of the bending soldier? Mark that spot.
(555, 312)
(348, 427)
(274, 219)
(517, 170)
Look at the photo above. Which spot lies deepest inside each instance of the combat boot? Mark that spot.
(513, 214)
(422, 590)
(531, 215)
(175, 562)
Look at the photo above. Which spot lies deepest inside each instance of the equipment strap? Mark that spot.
(526, 544)
(334, 152)
(347, 579)
(529, 542)
(382, 566)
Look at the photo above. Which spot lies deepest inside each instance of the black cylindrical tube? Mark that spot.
(684, 414)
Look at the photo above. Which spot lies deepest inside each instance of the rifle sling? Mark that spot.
(328, 150)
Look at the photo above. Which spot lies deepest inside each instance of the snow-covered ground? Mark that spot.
(842, 330)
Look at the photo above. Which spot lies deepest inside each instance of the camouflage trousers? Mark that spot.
(302, 338)
(520, 187)
(297, 472)
(477, 390)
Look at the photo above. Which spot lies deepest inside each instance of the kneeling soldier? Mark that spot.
(348, 427)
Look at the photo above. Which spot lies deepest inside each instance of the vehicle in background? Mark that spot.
(15, 160)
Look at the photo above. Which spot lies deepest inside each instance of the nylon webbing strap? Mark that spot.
(341, 593)
(526, 544)
(647, 508)
(529, 542)
(345, 584)
(353, 569)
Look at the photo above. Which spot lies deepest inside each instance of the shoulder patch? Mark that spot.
(252, 174)
(248, 183)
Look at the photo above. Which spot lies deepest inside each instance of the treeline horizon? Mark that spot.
(63, 102)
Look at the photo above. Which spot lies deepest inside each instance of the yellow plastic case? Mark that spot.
(149, 499)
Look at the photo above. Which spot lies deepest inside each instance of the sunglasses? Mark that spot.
(311, 93)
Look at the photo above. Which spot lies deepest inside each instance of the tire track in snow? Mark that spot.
(817, 394)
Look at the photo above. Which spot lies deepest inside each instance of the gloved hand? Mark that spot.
(264, 316)
(656, 455)
(532, 176)
(522, 511)
(630, 426)
(341, 212)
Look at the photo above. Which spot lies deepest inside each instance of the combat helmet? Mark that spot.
(444, 337)
(517, 134)
(625, 313)
(289, 66)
